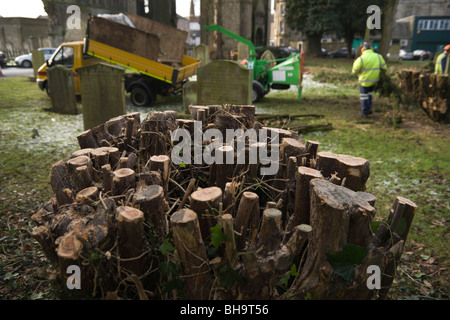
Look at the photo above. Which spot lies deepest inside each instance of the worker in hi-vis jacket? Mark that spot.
(368, 68)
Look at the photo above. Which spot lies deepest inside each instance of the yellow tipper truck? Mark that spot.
(154, 51)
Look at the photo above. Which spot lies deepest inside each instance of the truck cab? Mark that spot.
(70, 55)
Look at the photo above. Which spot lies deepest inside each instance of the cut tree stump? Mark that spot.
(161, 164)
(142, 227)
(354, 170)
(206, 203)
(88, 195)
(248, 208)
(269, 236)
(301, 214)
(131, 239)
(123, 180)
(190, 247)
(60, 181)
(150, 200)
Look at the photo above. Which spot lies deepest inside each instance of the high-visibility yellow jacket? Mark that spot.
(439, 68)
(368, 67)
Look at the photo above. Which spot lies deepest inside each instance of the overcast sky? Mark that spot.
(35, 8)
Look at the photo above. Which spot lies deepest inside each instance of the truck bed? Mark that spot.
(139, 50)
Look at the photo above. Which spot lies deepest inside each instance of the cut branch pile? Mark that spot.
(140, 226)
(291, 122)
(432, 93)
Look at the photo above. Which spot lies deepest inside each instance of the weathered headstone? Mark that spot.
(201, 52)
(61, 89)
(394, 50)
(224, 82)
(243, 51)
(189, 95)
(38, 59)
(102, 93)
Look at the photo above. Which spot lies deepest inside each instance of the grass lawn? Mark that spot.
(408, 154)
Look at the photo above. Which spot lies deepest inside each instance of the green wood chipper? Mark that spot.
(277, 74)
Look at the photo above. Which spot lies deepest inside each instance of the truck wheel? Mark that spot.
(258, 92)
(140, 97)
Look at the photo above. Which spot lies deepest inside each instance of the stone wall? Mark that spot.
(21, 35)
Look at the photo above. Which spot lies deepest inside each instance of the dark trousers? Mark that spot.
(366, 99)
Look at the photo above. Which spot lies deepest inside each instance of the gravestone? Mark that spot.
(224, 82)
(38, 59)
(201, 52)
(394, 52)
(189, 95)
(102, 93)
(243, 51)
(62, 90)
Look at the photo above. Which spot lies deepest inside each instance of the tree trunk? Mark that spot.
(314, 48)
(389, 8)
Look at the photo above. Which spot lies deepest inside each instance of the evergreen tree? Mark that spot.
(314, 18)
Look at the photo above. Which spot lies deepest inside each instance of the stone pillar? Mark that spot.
(102, 93)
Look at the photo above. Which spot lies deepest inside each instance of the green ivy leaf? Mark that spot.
(345, 261)
(283, 282)
(228, 277)
(174, 284)
(294, 271)
(168, 268)
(217, 235)
(166, 247)
(375, 225)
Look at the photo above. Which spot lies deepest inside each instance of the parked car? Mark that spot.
(422, 55)
(405, 55)
(25, 60)
(3, 60)
(341, 53)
